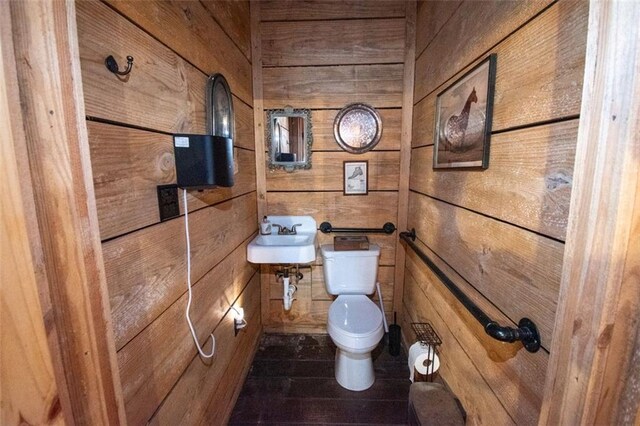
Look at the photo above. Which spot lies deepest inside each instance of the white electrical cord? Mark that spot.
(193, 331)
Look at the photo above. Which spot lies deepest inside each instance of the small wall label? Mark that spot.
(181, 142)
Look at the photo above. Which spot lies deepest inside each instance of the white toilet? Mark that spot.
(355, 322)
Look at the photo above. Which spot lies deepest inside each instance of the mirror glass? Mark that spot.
(289, 138)
(219, 107)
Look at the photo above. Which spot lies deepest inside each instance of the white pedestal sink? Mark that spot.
(287, 249)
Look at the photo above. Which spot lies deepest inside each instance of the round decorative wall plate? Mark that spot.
(357, 128)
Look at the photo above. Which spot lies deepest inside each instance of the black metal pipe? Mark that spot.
(527, 332)
(387, 228)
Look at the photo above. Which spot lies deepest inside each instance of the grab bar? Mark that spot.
(387, 228)
(527, 332)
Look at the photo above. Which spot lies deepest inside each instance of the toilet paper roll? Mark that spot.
(420, 358)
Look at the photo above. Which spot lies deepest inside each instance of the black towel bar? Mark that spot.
(387, 228)
(527, 332)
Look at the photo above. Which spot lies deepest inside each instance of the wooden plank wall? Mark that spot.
(324, 55)
(175, 46)
(65, 239)
(30, 394)
(593, 375)
(499, 233)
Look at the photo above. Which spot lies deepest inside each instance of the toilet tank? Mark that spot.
(350, 272)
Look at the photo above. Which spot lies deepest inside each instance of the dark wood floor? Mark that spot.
(292, 382)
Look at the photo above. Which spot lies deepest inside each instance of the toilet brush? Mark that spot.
(394, 337)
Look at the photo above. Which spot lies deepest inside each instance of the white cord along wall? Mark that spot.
(193, 331)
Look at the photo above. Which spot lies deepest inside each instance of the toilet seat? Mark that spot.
(355, 323)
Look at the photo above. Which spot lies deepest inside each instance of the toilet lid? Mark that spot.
(355, 314)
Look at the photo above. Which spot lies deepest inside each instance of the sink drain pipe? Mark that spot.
(288, 289)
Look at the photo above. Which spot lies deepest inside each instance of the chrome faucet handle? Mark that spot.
(280, 228)
(293, 228)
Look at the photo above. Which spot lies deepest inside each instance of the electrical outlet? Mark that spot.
(168, 201)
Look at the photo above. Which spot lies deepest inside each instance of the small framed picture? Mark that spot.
(356, 177)
(463, 119)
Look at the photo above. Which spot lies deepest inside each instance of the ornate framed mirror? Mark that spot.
(289, 138)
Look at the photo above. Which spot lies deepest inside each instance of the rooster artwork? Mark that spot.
(463, 119)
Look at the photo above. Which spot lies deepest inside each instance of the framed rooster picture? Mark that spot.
(463, 119)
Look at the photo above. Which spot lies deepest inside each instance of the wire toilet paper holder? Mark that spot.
(427, 336)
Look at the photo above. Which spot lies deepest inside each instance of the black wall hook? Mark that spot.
(112, 65)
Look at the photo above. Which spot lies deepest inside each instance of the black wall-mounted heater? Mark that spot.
(203, 161)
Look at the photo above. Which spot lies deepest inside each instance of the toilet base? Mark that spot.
(354, 371)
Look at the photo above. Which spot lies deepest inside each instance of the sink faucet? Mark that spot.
(283, 230)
